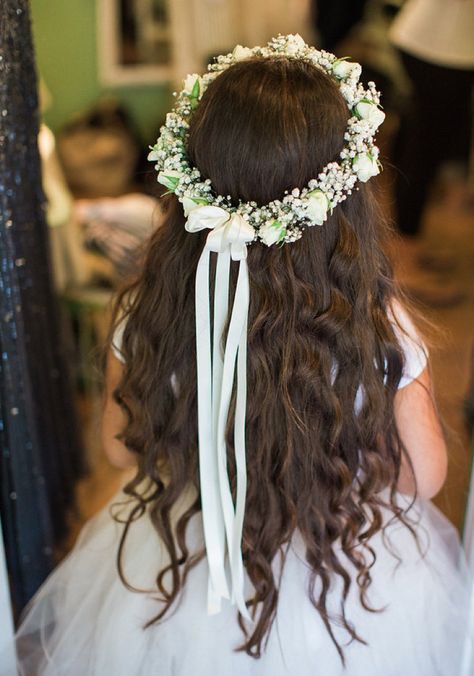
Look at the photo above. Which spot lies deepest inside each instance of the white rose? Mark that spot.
(190, 203)
(240, 53)
(317, 206)
(370, 112)
(343, 69)
(365, 167)
(192, 85)
(271, 233)
(169, 178)
(153, 155)
(295, 43)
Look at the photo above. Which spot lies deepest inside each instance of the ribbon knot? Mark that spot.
(222, 519)
(228, 231)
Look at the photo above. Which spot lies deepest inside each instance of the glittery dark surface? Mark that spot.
(41, 454)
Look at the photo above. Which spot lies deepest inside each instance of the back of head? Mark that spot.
(318, 336)
(265, 126)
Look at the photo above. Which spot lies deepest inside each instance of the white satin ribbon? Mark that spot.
(223, 521)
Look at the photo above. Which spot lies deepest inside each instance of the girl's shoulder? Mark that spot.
(413, 346)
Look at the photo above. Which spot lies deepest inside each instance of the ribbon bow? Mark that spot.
(222, 520)
(227, 230)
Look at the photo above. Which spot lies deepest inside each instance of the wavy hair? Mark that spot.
(319, 333)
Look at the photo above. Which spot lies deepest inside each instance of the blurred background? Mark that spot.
(108, 69)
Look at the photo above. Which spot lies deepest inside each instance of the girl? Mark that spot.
(277, 519)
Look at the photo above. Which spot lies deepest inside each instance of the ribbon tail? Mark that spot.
(213, 522)
(221, 308)
(237, 567)
(233, 535)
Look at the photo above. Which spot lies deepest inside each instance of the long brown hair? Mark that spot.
(319, 333)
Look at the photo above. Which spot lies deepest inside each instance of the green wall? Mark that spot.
(65, 35)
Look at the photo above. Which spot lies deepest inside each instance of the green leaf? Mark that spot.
(170, 182)
(196, 89)
(199, 200)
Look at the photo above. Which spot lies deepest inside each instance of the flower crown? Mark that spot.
(282, 220)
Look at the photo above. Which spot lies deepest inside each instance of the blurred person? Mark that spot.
(276, 520)
(435, 40)
(117, 228)
(333, 20)
(72, 264)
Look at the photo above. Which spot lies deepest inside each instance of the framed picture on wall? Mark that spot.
(142, 41)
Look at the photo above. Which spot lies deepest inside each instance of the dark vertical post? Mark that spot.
(41, 454)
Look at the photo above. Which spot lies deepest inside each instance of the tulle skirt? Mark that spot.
(84, 621)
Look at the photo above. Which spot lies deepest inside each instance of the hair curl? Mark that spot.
(319, 333)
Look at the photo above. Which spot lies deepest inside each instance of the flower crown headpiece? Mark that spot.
(282, 220)
(232, 228)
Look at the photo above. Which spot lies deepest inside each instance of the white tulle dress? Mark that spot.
(83, 621)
